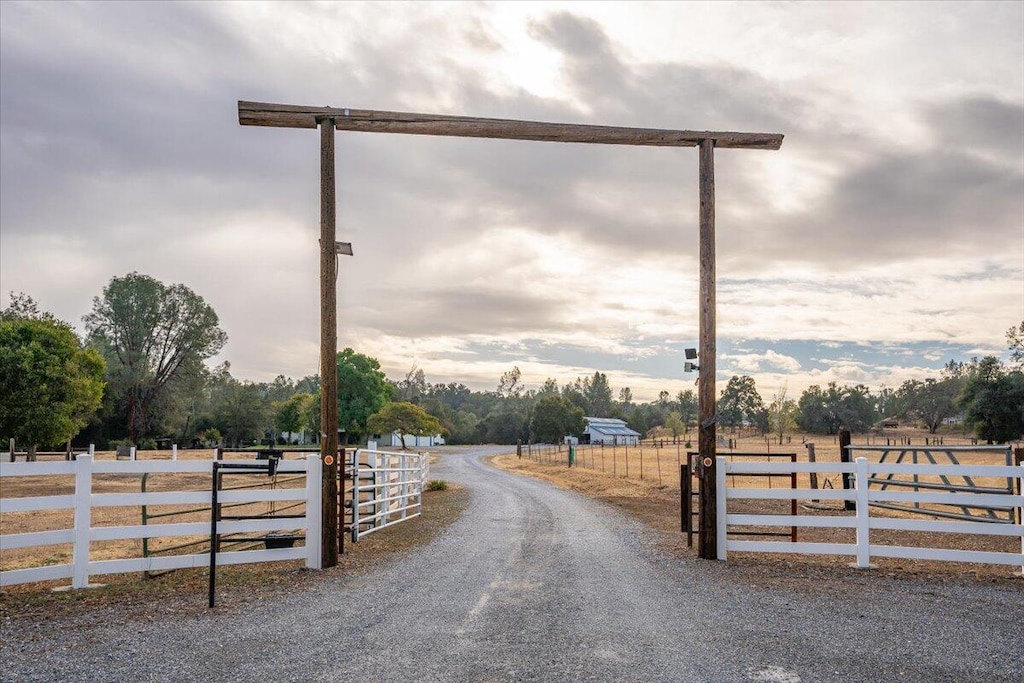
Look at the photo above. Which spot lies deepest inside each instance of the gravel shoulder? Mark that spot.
(534, 583)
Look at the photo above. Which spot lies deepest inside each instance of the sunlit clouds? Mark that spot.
(885, 237)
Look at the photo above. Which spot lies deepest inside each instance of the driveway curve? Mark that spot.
(535, 583)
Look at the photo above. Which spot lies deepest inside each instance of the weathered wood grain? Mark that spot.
(707, 545)
(372, 121)
(328, 349)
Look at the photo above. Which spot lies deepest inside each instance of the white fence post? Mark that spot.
(174, 451)
(721, 532)
(863, 516)
(314, 506)
(92, 450)
(83, 521)
(1020, 517)
(131, 453)
(355, 496)
(404, 484)
(380, 493)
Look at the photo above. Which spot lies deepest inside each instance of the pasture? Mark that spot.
(646, 480)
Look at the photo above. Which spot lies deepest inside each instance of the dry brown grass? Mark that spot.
(244, 582)
(657, 502)
(43, 520)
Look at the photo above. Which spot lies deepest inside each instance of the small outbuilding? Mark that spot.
(609, 430)
(411, 441)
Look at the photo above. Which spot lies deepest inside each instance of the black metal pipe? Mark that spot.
(213, 530)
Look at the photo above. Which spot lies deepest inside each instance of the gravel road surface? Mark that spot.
(538, 584)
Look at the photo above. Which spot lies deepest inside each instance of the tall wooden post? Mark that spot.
(328, 347)
(707, 535)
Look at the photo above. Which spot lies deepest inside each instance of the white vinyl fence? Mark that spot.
(387, 489)
(83, 501)
(862, 521)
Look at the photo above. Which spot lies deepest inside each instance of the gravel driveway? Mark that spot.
(539, 584)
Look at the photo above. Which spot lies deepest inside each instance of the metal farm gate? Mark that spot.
(949, 481)
(387, 488)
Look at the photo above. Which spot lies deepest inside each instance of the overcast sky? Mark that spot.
(885, 237)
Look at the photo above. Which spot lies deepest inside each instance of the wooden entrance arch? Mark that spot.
(329, 119)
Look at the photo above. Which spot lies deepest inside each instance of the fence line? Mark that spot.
(84, 500)
(862, 521)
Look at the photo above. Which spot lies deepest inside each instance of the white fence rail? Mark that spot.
(862, 521)
(387, 489)
(84, 500)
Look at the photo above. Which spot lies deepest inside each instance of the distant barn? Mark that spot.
(609, 430)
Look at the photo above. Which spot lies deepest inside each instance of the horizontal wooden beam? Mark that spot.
(370, 121)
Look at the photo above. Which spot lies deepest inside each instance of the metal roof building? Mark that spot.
(609, 430)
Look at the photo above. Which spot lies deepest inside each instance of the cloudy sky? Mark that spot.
(885, 237)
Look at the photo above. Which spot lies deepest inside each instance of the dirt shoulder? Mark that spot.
(658, 508)
(185, 591)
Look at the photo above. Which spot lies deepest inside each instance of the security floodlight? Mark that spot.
(691, 354)
(344, 248)
(690, 367)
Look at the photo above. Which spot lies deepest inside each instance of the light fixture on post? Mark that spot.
(688, 366)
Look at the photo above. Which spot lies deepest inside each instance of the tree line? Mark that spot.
(140, 377)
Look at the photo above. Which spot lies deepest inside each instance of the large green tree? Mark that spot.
(835, 407)
(554, 417)
(49, 384)
(240, 411)
(149, 334)
(405, 418)
(741, 404)
(930, 401)
(688, 408)
(506, 422)
(993, 401)
(362, 391)
(291, 415)
(599, 395)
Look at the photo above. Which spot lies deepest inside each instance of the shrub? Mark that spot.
(437, 485)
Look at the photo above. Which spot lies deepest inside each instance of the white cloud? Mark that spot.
(757, 362)
(889, 216)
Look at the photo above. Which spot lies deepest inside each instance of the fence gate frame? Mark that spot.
(329, 119)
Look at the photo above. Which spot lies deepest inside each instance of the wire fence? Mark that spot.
(657, 461)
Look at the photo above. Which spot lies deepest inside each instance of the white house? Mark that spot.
(609, 430)
(395, 439)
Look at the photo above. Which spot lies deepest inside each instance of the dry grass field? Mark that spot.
(185, 589)
(51, 485)
(658, 460)
(645, 481)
